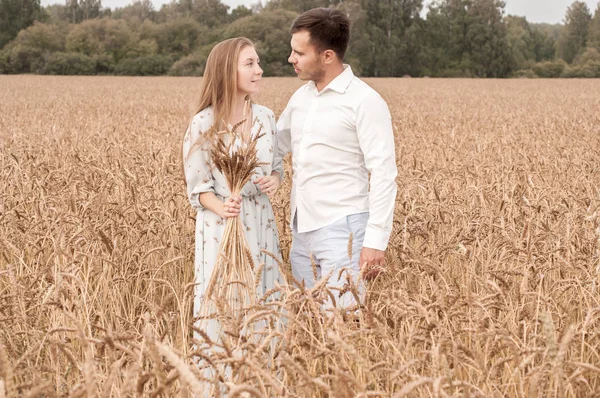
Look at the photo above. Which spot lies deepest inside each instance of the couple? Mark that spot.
(338, 130)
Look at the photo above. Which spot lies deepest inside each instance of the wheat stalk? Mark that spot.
(232, 282)
(6, 372)
(76, 164)
(184, 369)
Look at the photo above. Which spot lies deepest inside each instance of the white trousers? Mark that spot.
(329, 249)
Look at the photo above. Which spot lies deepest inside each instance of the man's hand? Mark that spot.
(372, 262)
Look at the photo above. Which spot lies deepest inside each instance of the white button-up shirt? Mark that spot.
(338, 136)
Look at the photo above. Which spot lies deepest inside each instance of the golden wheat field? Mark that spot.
(493, 280)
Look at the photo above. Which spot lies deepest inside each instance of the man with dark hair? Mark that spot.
(339, 130)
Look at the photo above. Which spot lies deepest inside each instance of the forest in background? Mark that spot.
(390, 38)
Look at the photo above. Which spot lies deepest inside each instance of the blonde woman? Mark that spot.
(232, 75)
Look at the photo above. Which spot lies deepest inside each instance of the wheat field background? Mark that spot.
(493, 281)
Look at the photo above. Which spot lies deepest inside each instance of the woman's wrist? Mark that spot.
(220, 209)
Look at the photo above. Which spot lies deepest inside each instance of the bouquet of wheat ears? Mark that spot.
(232, 283)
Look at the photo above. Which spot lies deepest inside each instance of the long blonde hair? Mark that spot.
(219, 84)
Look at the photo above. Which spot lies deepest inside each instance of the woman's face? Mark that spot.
(249, 71)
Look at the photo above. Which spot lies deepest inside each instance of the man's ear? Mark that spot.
(329, 56)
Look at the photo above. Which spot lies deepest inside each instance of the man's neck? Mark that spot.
(329, 75)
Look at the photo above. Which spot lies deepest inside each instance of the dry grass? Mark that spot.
(493, 286)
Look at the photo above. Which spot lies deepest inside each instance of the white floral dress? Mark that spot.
(256, 214)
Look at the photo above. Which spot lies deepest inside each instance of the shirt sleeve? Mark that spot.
(376, 140)
(284, 133)
(277, 158)
(196, 164)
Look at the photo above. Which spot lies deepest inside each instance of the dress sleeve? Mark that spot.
(196, 163)
(277, 158)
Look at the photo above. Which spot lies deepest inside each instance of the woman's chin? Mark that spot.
(248, 93)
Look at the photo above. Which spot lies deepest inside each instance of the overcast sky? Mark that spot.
(550, 11)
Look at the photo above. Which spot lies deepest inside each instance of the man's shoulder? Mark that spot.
(362, 90)
(365, 97)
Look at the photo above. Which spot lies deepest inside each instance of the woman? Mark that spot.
(231, 76)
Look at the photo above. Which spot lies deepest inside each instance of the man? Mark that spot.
(339, 130)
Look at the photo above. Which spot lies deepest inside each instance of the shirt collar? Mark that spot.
(339, 84)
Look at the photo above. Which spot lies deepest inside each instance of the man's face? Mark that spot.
(307, 62)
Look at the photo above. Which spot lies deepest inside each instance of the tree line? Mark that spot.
(448, 38)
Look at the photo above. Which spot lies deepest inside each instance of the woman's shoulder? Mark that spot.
(262, 111)
(205, 115)
(202, 120)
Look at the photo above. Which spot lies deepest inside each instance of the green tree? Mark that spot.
(240, 12)
(55, 14)
(574, 37)
(84, 39)
(521, 41)
(100, 36)
(298, 6)
(139, 10)
(445, 43)
(60, 63)
(588, 56)
(487, 38)
(269, 30)
(191, 65)
(549, 30)
(587, 65)
(16, 15)
(594, 30)
(178, 37)
(80, 10)
(393, 27)
(550, 69)
(388, 37)
(360, 47)
(469, 38)
(210, 13)
(544, 44)
(149, 65)
(27, 53)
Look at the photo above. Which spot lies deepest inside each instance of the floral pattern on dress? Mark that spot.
(257, 213)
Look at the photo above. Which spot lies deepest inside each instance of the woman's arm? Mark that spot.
(230, 208)
(198, 174)
(269, 184)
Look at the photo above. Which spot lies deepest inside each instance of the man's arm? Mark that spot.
(376, 140)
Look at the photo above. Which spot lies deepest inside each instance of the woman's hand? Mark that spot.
(268, 184)
(231, 207)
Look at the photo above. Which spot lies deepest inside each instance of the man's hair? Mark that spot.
(329, 29)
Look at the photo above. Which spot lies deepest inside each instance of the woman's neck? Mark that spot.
(238, 110)
(241, 111)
